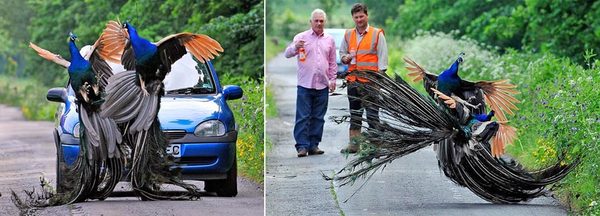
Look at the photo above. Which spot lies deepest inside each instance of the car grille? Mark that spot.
(197, 160)
(173, 135)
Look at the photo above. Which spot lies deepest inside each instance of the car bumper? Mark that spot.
(201, 158)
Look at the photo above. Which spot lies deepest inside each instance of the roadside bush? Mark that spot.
(248, 112)
(29, 96)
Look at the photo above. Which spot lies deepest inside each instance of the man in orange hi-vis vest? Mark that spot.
(364, 49)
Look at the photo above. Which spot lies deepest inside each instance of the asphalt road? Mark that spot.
(412, 185)
(27, 152)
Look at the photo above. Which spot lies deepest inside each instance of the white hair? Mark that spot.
(318, 11)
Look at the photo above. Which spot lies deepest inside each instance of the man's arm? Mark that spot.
(382, 53)
(332, 69)
(344, 50)
(291, 50)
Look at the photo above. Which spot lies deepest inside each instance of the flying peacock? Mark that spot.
(133, 98)
(458, 126)
(497, 94)
(101, 159)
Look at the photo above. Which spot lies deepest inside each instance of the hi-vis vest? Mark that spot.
(366, 52)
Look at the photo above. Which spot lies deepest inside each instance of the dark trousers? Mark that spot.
(355, 93)
(311, 106)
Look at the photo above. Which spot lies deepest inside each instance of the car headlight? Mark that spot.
(76, 130)
(210, 128)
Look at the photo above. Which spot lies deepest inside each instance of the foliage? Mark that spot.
(248, 112)
(270, 106)
(237, 25)
(242, 37)
(274, 46)
(559, 109)
(285, 19)
(29, 96)
(564, 28)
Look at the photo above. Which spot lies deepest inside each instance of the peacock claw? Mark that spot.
(143, 86)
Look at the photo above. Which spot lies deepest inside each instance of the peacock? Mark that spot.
(100, 163)
(460, 131)
(497, 94)
(133, 98)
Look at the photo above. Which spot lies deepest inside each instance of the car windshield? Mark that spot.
(189, 76)
(338, 36)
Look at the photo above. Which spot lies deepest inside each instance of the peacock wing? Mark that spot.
(115, 42)
(505, 136)
(50, 56)
(447, 100)
(100, 67)
(128, 57)
(474, 95)
(419, 73)
(499, 95)
(173, 47)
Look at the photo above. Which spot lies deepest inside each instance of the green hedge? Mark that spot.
(248, 112)
(29, 96)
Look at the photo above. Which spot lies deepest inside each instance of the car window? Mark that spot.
(338, 36)
(188, 73)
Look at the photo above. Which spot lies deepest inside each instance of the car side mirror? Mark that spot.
(232, 92)
(57, 95)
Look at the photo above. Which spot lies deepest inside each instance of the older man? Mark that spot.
(365, 51)
(317, 69)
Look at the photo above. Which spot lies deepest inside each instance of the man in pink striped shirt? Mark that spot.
(316, 78)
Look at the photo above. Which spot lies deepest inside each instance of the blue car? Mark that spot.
(194, 115)
(338, 37)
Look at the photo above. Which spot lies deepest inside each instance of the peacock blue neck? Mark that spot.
(454, 69)
(78, 63)
(142, 48)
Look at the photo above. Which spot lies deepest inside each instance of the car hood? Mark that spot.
(186, 112)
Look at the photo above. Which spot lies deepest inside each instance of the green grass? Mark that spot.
(270, 105)
(335, 197)
(29, 96)
(274, 46)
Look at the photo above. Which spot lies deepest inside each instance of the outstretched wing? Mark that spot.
(499, 95)
(505, 136)
(116, 45)
(50, 56)
(419, 73)
(99, 63)
(447, 100)
(113, 40)
(173, 47)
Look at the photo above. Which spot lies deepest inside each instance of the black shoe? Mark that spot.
(302, 153)
(350, 149)
(316, 151)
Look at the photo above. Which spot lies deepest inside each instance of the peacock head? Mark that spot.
(130, 28)
(72, 37)
(460, 57)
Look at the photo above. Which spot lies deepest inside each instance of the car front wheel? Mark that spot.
(224, 187)
(59, 163)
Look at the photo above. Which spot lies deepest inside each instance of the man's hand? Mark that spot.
(346, 59)
(331, 86)
(299, 44)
